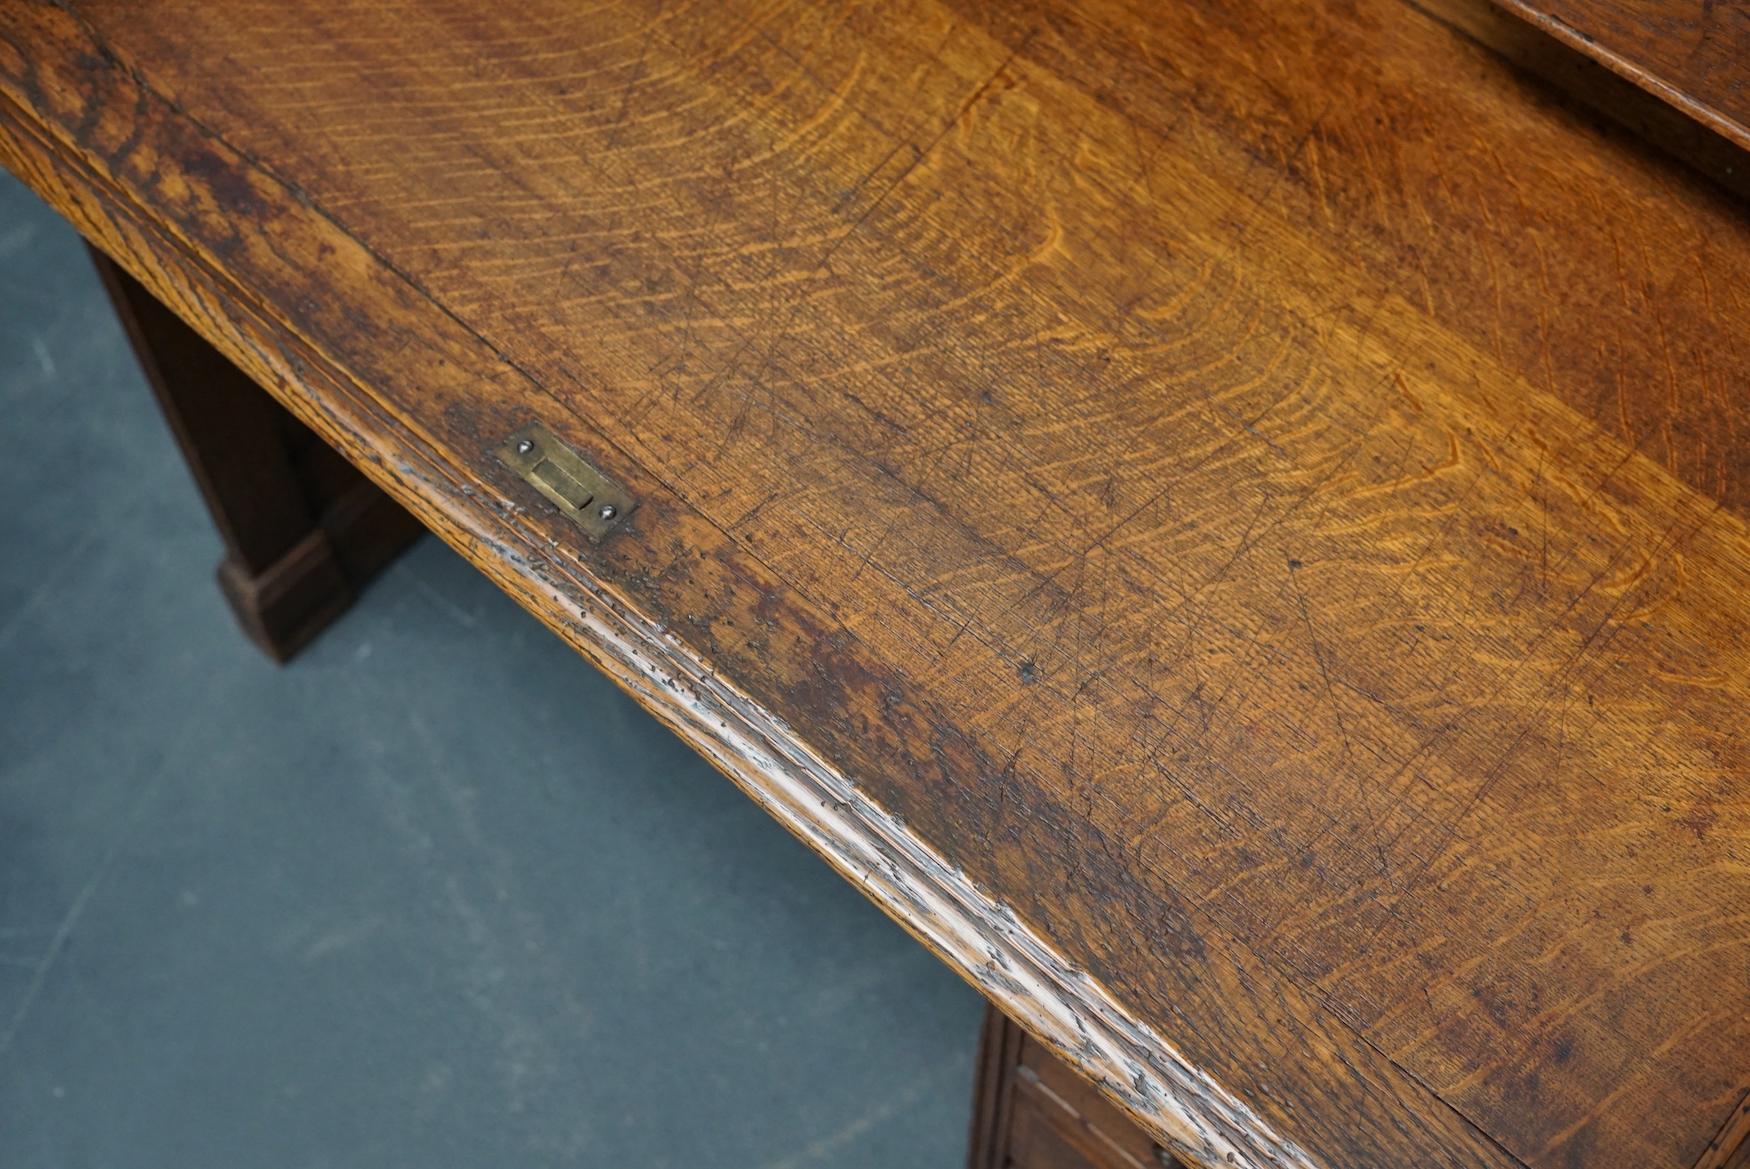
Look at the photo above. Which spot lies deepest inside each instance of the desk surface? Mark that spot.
(1228, 521)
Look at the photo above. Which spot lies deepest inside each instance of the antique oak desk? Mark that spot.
(1228, 520)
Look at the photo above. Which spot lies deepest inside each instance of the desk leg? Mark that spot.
(303, 529)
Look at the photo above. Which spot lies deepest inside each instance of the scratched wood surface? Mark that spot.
(1259, 488)
(1694, 54)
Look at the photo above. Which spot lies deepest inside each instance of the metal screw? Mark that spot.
(607, 511)
(525, 446)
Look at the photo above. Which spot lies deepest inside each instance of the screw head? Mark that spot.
(525, 446)
(607, 511)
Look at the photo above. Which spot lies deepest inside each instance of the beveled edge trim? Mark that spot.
(1701, 112)
(982, 939)
(1732, 1139)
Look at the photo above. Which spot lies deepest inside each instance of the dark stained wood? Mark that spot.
(1664, 126)
(999, 1051)
(1692, 54)
(1030, 1111)
(303, 529)
(1227, 520)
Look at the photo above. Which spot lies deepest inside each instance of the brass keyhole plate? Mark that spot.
(587, 497)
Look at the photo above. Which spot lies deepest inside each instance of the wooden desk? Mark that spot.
(1228, 521)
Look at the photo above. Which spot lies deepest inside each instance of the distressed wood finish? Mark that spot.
(1692, 54)
(1227, 520)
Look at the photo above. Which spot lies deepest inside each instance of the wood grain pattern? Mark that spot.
(1163, 462)
(1693, 54)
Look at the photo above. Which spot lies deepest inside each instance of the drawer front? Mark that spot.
(1030, 1111)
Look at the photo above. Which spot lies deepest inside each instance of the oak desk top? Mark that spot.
(1229, 521)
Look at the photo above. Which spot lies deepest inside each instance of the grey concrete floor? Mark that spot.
(435, 894)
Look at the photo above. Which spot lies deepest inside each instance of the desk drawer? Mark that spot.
(1030, 1111)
